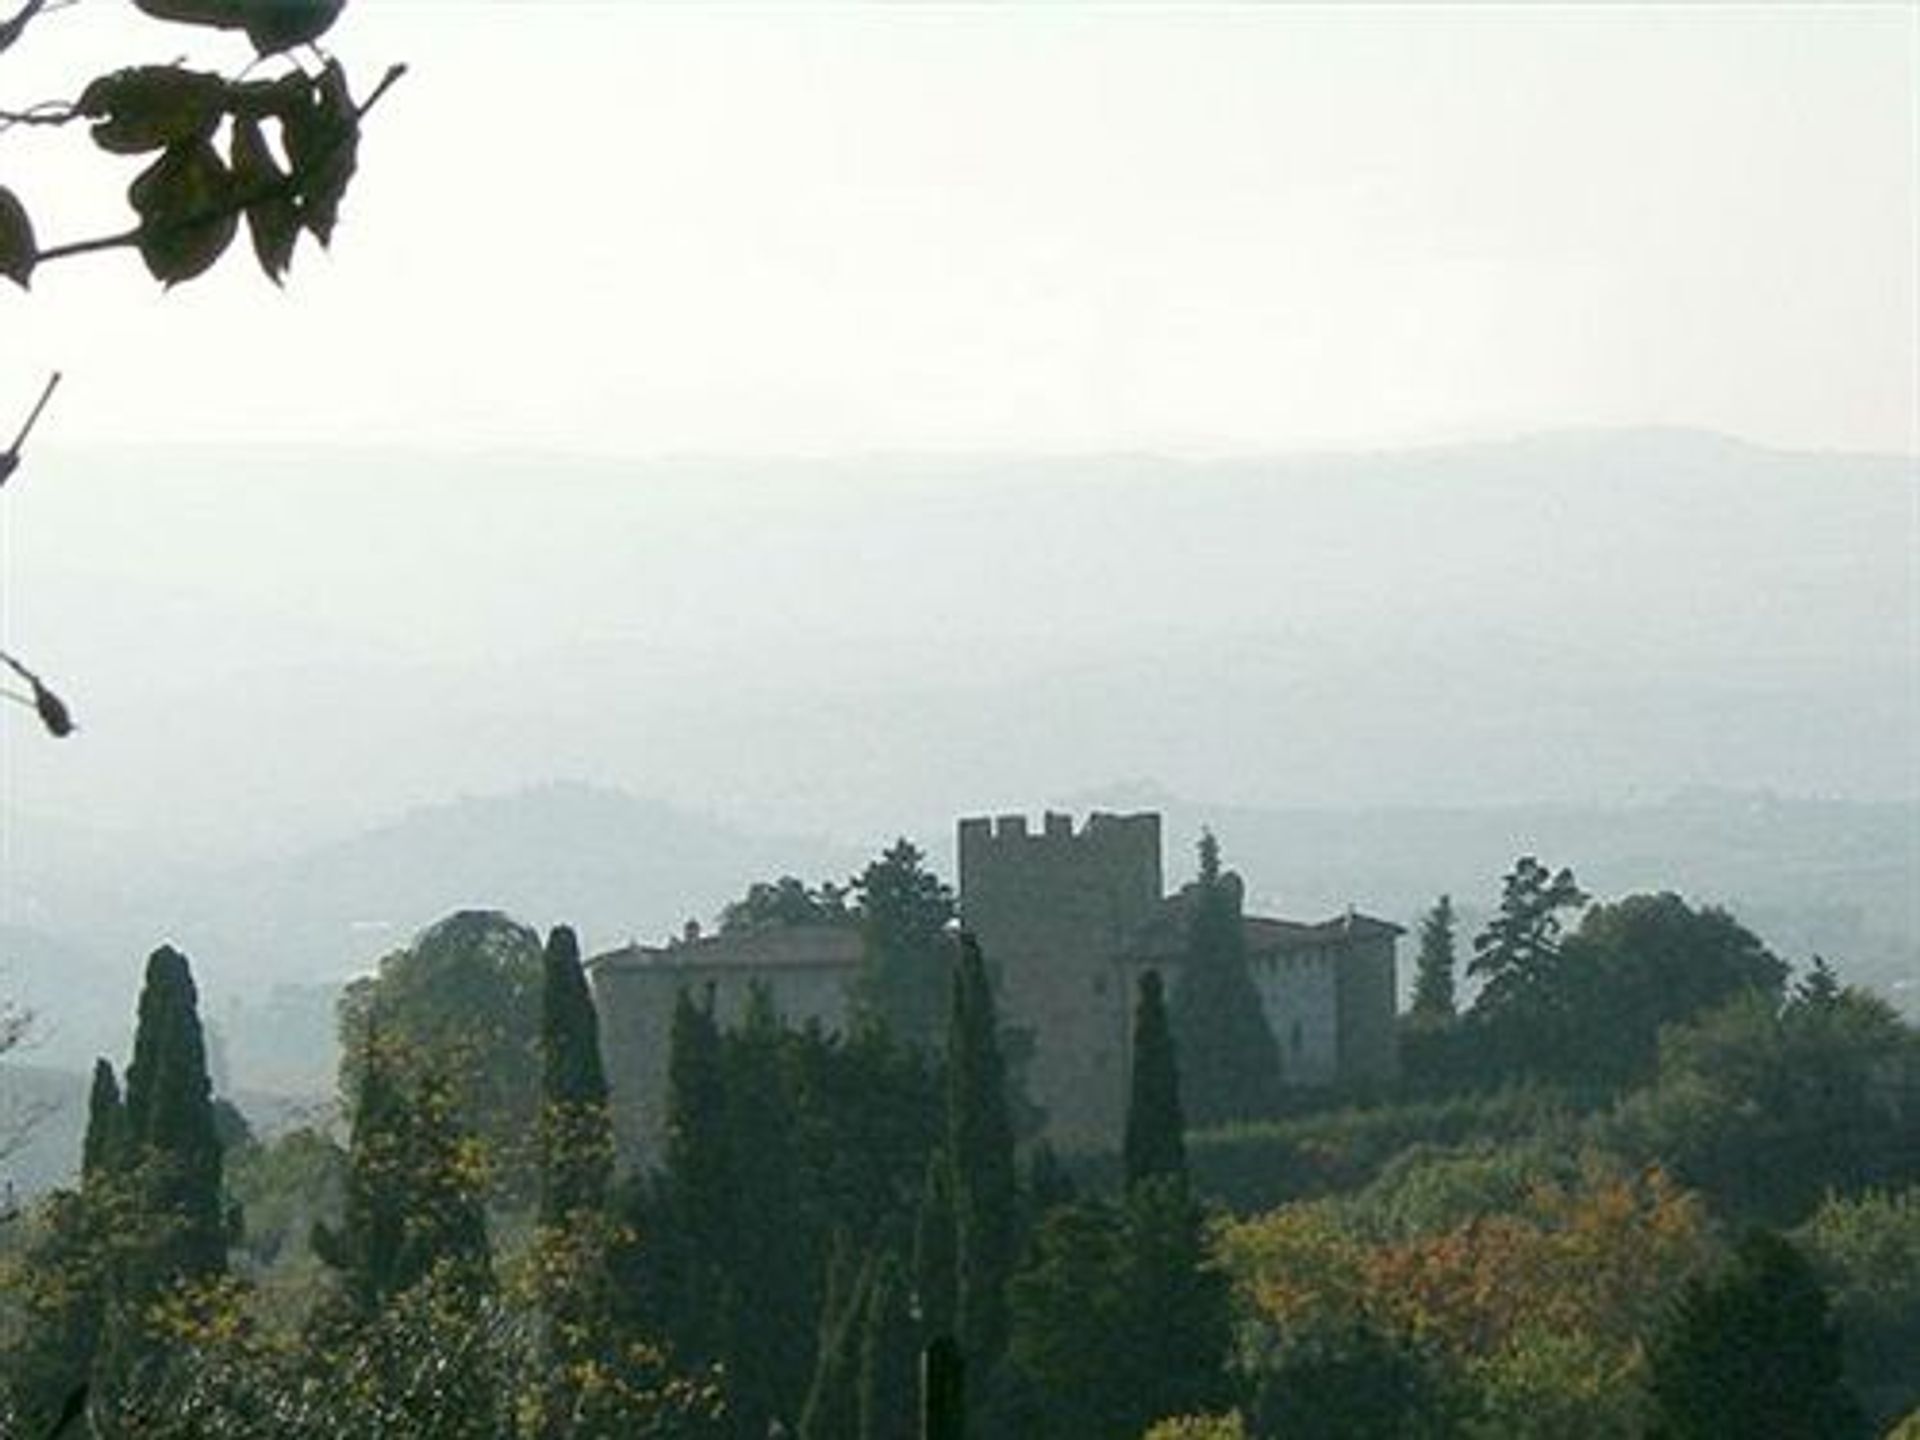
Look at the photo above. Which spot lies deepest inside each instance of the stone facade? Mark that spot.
(806, 970)
(1067, 919)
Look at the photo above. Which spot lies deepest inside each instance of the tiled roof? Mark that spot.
(773, 947)
(1164, 936)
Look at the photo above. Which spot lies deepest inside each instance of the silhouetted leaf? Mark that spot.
(52, 711)
(224, 14)
(323, 141)
(185, 203)
(274, 25)
(273, 221)
(18, 249)
(149, 107)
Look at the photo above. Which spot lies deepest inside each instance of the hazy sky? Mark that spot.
(645, 229)
(632, 230)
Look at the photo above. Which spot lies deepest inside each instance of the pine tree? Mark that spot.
(1819, 988)
(170, 1130)
(980, 1142)
(1155, 1142)
(576, 1133)
(1752, 1351)
(1232, 1062)
(904, 911)
(1433, 987)
(1515, 954)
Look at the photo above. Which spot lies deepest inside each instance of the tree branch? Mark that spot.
(13, 29)
(232, 206)
(51, 709)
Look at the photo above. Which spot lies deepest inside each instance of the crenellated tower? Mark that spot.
(1052, 911)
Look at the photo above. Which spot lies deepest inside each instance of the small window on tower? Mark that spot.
(1295, 1037)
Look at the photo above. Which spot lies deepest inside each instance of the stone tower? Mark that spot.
(1052, 912)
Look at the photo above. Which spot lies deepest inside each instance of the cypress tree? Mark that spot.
(1232, 1062)
(576, 1238)
(170, 1128)
(1433, 987)
(770, 1266)
(365, 1249)
(833, 1401)
(889, 1355)
(698, 1182)
(980, 1142)
(933, 1247)
(103, 1151)
(576, 1134)
(60, 1288)
(1155, 1143)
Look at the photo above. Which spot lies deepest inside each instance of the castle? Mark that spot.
(1067, 920)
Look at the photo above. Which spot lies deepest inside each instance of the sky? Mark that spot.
(633, 229)
(626, 232)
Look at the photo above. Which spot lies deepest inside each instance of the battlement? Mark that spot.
(1109, 864)
(1102, 831)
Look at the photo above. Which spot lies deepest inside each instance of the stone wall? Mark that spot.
(1052, 910)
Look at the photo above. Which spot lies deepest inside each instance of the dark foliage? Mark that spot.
(1232, 1064)
(1752, 1351)
(1155, 1143)
(980, 1145)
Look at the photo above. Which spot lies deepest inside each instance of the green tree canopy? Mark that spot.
(463, 1001)
(1637, 964)
(1752, 1351)
(1433, 973)
(786, 901)
(904, 911)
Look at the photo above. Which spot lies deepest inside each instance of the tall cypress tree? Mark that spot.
(1155, 1142)
(1433, 987)
(889, 1355)
(1232, 1062)
(832, 1409)
(771, 1265)
(934, 1280)
(698, 1183)
(365, 1249)
(170, 1128)
(980, 1144)
(576, 1134)
(60, 1287)
(576, 1238)
(103, 1151)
